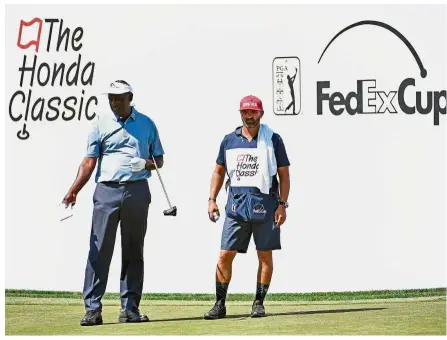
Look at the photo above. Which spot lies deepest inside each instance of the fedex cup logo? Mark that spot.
(367, 97)
(39, 70)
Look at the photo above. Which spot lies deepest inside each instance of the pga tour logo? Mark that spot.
(286, 86)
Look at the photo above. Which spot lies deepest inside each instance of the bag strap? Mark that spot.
(101, 145)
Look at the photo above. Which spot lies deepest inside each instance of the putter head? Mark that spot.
(170, 212)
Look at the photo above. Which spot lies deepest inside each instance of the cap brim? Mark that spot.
(250, 108)
(117, 91)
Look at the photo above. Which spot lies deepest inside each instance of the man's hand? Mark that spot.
(70, 198)
(212, 208)
(280, 215)
(137, 164)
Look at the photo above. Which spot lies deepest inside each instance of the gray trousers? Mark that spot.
(114, 203)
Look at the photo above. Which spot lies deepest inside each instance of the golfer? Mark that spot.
(123, 140)
(252, 156)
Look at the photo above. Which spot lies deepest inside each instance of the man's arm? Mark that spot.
(284, 183)
(155, 148)
(84, 173)
(284, 188)
(217, 181)
(216, 184)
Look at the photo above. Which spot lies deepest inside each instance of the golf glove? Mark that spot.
(137, 164)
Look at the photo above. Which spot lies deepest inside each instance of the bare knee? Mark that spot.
(226, 257)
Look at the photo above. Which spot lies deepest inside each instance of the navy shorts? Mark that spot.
(236, 235)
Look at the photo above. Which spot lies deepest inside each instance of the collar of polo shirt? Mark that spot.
(132, 116)
(238, 132)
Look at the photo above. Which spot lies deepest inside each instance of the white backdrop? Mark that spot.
(367, 201)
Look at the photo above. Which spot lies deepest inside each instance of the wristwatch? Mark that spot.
(284, 203)
(211, 199)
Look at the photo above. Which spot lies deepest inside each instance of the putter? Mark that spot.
(172, 211)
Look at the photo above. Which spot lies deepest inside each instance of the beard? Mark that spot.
(251, 122)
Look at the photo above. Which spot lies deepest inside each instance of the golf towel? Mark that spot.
(268, 164)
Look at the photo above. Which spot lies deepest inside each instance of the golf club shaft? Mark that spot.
(161, 181)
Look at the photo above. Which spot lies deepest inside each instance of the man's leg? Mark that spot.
(267, 238)
(223, 273)
(134, 214)
(235, 238)
(102, 241)
(223, 278)
(265, 271)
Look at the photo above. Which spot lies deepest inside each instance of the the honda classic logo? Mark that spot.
(51, 68)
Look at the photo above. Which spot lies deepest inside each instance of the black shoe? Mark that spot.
(132, 316)
(257, 310)
(92, 318)
(217, 312)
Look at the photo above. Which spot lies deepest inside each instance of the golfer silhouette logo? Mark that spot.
(286, 86)
(290, 81)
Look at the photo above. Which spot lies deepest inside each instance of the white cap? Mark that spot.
(118, 88)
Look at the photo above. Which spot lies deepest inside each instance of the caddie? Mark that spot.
(253, 157)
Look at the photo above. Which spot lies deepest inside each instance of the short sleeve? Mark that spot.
(94, 140)
(221, 156)
(280, 151)
(156, 147)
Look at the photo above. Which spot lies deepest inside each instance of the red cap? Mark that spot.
(251, 103)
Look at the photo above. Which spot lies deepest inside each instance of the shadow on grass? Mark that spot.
(244, 316)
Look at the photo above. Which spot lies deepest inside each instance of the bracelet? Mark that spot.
(211, 199)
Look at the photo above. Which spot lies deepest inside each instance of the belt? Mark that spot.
(122, 182)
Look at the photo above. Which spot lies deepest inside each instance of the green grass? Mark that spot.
(329, 296)
(414, 316)
(410, 312)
